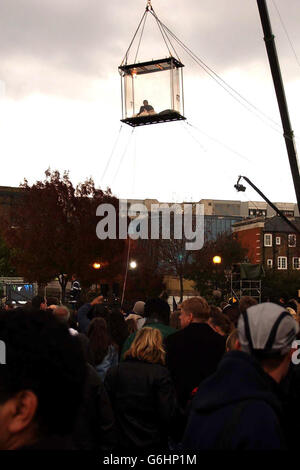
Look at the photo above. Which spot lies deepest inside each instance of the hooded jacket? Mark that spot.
(237, 408)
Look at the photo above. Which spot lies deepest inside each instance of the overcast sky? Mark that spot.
(60, 100)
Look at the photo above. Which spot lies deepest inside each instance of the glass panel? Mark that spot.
(129, 96)
(161, 89)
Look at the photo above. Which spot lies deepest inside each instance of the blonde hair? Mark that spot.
(197, 306)
(147, 346)
(231, 340)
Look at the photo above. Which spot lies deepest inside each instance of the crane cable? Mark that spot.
(220, 81)
(112, 152)
(149, 9)
(123, 155)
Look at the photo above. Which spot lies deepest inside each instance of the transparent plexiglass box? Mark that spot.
(152, 92)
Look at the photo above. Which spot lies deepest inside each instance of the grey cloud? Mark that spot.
(59, 46)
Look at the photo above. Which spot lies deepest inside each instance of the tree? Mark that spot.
(175, 259)
(280, 284)
(208, 276)
(147, 279)
(54, 234)
(6, 267)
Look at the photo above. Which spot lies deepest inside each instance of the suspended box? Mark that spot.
(152, 92)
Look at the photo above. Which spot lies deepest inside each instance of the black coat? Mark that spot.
(144, 403)
(237, 408)
(95, 425)
(193, 354)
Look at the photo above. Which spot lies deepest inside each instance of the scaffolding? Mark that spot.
(243, 282)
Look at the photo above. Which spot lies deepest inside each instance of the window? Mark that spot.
(278, 240)
(288, 213)
(270, 263)
(292, 240)
(257, 212)
(296, 263)
(268, 239)
(282, 262)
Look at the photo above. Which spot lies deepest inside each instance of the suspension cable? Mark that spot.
(134, 36)
(138, 48)
(112, 152)
(122, 157)
(164, 34)
(236, 95)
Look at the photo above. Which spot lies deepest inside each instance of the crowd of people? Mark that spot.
(150, 380)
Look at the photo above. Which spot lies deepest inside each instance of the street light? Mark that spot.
(133, 264)
(217, 259)
(96, 265)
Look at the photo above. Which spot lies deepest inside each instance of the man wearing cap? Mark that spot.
(238, 407)
(138, 314)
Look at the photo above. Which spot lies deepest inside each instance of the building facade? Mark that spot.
(270, 242)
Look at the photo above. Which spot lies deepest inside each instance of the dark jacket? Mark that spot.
(193, 354)
(237, 408)
(95, 426)
(144, 403)
(82, 317)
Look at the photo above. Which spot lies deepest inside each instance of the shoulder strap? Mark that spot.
(224, 441)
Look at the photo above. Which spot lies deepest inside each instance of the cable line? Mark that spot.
(286, 32)
(112, 152)
(123, 155)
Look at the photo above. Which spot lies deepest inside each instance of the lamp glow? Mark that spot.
(133, 264)
(217, 259)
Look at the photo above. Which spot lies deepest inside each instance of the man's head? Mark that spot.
(145, 102)
(42, 381)
(9, 305)
(62, 314)
(247, 301)
(267, 331)
(139, 308)
(39, 303)
(157, 309)
(194, 310)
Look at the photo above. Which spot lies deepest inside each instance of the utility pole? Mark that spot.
(280, 93)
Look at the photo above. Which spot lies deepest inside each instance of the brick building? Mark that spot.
(270, 242)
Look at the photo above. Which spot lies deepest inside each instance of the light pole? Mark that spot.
(96, 265)
(217, 260)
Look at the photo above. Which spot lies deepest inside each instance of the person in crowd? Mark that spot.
(193, 352)
(95, 425)
(157, 313)
(8, 305)
(39, 303)
(41, 385)
(232, 311)
(75, 291)
(52, 301)
(117, 327)
(239, 407)
(175, 320)
(131, 325)
(85, 311)
(232, 342)
(102, 352)
(138, 314)
(246, 301)
(219, 322)
(142, 395)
